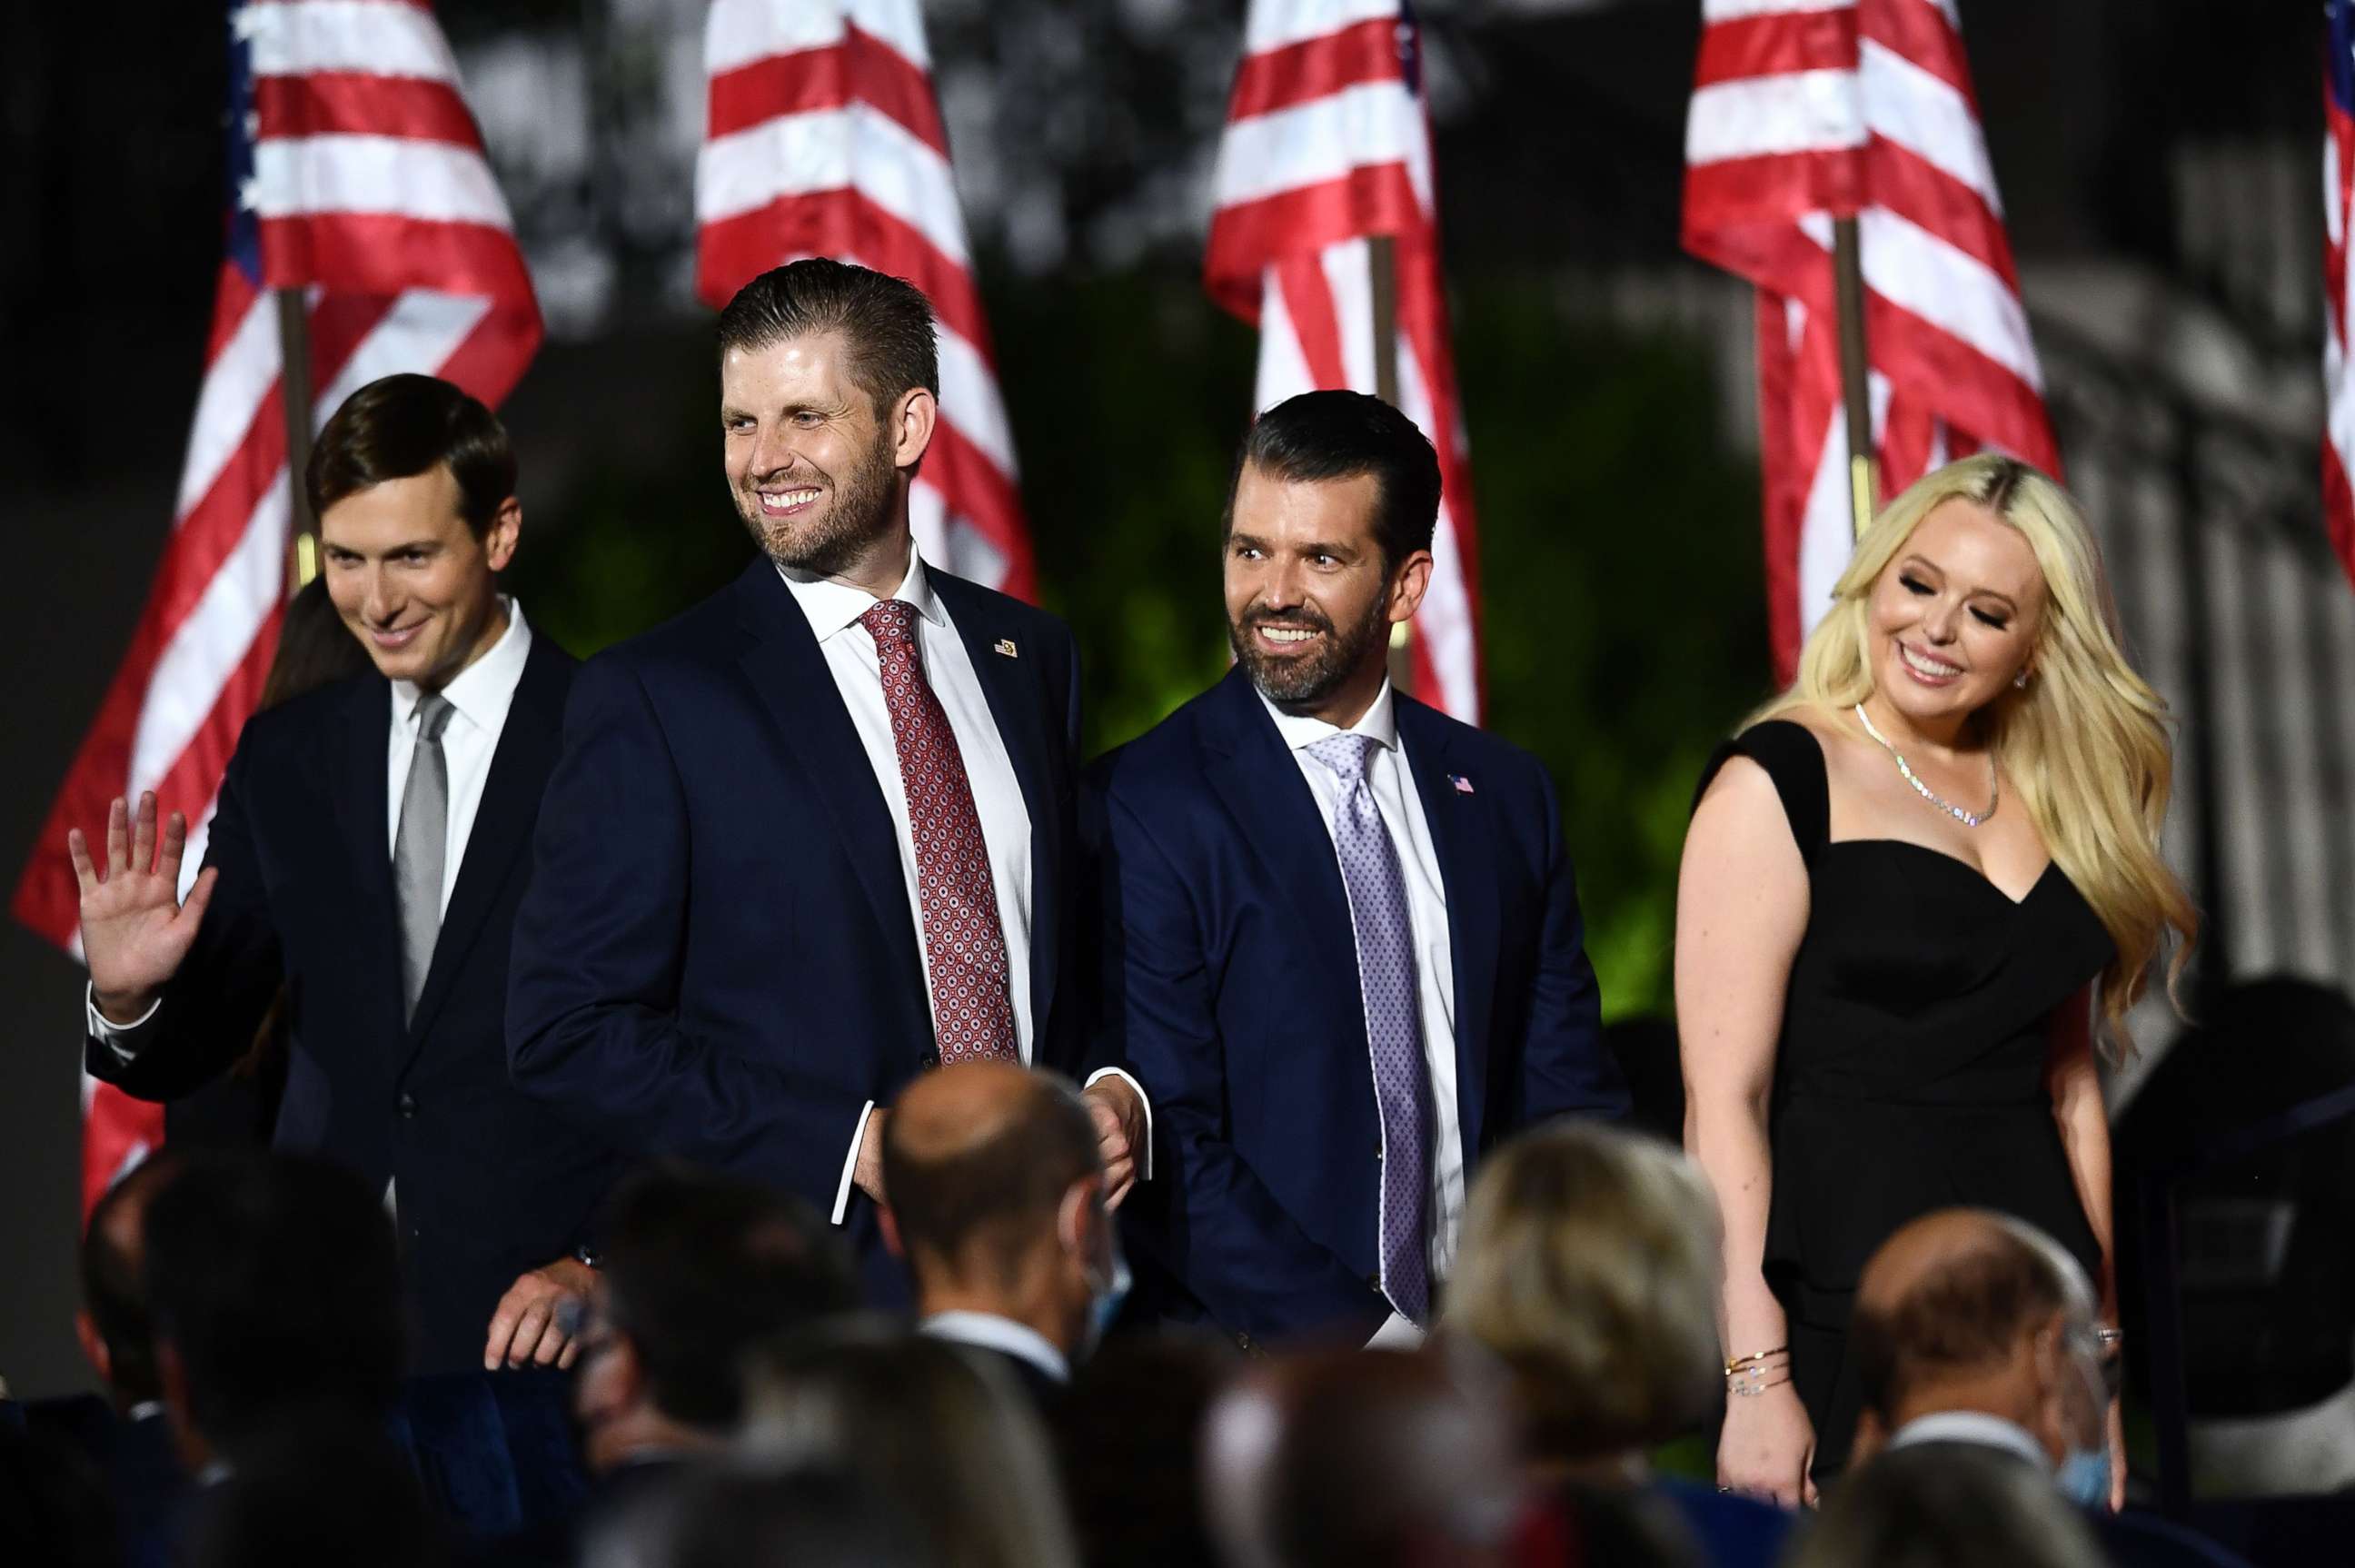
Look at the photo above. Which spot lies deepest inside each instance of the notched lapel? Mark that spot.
(1259, 782)
(1464, 835)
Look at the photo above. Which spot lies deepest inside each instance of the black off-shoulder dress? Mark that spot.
(1909, 1072)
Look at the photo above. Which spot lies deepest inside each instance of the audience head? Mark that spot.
(998, 1199)
(698, 1268)
(945, 1432)
(738, 1516)
(1965, 1309)
(1328, 534)
(1130, 1435)
(271, 1286)
(829, 378)
(413, 485)
(319, 1487)
(1944, 1506)
(112, 1324)
(1589, 1270)
(1362, 1458)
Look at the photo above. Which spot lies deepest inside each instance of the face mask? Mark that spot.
(1109, 1297)
(2084, 1478)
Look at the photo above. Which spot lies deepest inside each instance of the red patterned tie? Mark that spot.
(964, 947)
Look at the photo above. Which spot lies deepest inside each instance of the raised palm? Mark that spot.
(135, 928)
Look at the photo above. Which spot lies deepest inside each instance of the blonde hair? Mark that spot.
(2084, 746)
(1589, 1270)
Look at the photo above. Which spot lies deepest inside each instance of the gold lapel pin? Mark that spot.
(1005, 647)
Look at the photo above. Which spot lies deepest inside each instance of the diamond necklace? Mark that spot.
(1967, 818)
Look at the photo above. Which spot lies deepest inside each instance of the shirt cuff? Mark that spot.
(121, 1038)
(1144, 1155)
(850, 1163)
(1396, 1334)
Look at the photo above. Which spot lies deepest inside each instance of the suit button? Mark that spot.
(409, 1105)
(927, 1061)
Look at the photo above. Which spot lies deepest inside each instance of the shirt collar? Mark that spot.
(483, 692)
(1380, 722)
(1973, 1426)
(1004, 1335)
(834, 607)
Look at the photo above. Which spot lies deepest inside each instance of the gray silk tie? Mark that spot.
(417, 848)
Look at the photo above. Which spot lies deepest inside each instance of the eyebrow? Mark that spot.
(1976, 592)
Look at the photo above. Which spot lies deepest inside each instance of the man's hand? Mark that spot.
(135, 928)
(525, 1329)
(1120, 1131)
(867, 1171)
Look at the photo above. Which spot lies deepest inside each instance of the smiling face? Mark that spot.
(1310, 601)
(1954, 618)
(812, 466)
(412, 580)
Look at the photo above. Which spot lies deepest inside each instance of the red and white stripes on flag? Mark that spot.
(356, 175)
(2337, 206)
(1327, 145)
(823, 138)
(1805, 110)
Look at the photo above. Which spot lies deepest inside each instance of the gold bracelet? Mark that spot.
(1750, 1389)
(1741, 1362)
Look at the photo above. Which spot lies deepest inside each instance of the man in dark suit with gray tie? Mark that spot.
(1344, 952)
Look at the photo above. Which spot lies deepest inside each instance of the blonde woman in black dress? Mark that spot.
(1918, 889)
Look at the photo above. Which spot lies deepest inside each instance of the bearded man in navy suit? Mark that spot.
(1344, 951)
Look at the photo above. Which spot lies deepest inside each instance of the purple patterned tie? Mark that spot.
(1378, 908)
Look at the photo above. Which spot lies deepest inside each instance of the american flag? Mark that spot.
(823, 138)
(1327, 145)
(355, 173)
(1808, 110)
(2338, 374)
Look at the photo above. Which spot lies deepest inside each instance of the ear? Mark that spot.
(500, 539)
(889, 1223)
(910, 427)
(1868, 1438)
(1408, 584)
(1077, 1217)
(93, 1346)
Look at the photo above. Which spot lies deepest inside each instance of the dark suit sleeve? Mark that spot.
(1565, 1067)
(599, 945)
(211, 1007)
(1232, 1243)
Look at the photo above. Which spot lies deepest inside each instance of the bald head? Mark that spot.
(1364, 1457)
(1958, 1299)
(977, 1160)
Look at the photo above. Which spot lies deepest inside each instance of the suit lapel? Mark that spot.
(499, 837)
(1259, 782)
(788, 672)
(362, 802)
(1466, 842)
(1011, 686)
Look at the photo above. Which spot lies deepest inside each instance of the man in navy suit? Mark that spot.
(1344, 949)
(364, 867)
(814, 836)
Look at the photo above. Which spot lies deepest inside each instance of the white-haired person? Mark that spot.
(1920, 892)
(1588, 1274)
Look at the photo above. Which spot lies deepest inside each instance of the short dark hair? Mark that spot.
(699, 1267)
(1321, 436)
(719, 1516)
(992, 1195)
(318, 1485)
(398, 426)
(886, 321)
(273, 1278)
(112, 1291)
(1966, 1315)
(1945, 1505)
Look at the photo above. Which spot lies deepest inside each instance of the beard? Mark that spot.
(830, 543)
(1306, 679)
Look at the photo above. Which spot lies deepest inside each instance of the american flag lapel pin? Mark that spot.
(1005, 647)
(1463, 785)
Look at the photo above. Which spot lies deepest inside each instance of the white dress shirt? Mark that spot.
(1975, 1426)
(834, 609)
(1401, 804)
(1004, 1335)
(480, 696)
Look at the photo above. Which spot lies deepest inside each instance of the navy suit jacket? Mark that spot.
(490, 1182)
(1231, 993)
(717, 958)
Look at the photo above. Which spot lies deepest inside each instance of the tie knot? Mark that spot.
(433, 712)
(890, 620)
(1346, 755)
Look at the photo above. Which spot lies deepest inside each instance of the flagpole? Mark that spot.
(294, 387)
(1381, 258)
(1856, 389)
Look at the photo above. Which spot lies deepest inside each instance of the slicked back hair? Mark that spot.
(398, 426)
(992, 1196)
(1967, 1315)
(1321, 436)
(886, 323)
